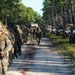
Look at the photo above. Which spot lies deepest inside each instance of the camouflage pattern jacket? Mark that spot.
(5, 44)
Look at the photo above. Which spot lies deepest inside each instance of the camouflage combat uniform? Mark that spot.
(38, 35)
(12, 39)
(17, 43)
(18, 40)
(24, 34)
(5, 48)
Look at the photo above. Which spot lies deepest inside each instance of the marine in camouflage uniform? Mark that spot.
(24, 34)
(18, 40)
(5, 48)
(38, 35)
(12, 38)
(20, 32)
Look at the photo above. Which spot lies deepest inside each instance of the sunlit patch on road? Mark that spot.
(14, 73)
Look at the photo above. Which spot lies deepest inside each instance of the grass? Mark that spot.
(64, 46)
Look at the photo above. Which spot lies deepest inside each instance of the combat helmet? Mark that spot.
(3, 28)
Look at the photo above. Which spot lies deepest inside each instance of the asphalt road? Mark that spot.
(41, 60)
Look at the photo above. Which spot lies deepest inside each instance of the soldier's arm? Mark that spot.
(8, 45)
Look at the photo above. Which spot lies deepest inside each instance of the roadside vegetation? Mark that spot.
(63, 46)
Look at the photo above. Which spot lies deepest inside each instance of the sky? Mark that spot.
(37, 5)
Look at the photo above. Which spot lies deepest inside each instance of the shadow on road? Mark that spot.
(43, 59)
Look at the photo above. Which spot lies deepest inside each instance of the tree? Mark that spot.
(14, 11)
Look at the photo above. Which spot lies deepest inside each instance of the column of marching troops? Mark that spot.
(11, 38)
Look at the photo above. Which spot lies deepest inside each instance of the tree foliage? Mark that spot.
(55, 10)
(14, 11)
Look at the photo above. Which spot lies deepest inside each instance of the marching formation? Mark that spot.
(11, 38)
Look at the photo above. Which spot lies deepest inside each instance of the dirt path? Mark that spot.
(41, 60)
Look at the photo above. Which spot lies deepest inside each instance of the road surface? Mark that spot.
(41, 60)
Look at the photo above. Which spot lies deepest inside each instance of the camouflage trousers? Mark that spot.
(38, 40)
(3, 66)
